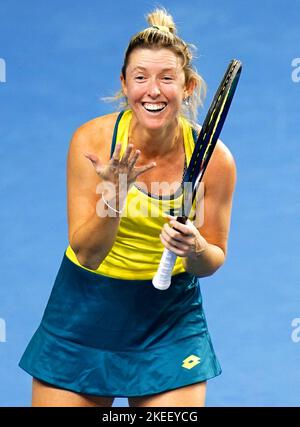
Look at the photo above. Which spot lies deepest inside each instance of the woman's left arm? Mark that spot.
(203, 246)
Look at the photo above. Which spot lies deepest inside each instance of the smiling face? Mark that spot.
(155, 86)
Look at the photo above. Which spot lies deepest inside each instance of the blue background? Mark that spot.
(61, 58)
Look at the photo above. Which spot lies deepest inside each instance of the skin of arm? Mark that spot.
(90, 236)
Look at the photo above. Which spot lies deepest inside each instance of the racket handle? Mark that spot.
(162, 278)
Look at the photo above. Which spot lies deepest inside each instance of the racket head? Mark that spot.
(209, 134)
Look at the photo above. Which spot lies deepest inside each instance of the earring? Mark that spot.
(186, 101)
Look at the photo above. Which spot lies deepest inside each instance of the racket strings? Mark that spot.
(210, 131)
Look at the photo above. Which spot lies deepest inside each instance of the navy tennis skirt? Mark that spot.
(123, 338)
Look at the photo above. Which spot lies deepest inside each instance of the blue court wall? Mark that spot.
(57, 59)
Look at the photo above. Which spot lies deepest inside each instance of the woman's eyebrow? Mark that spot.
(145, 69)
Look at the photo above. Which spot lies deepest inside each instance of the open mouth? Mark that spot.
(154, 108)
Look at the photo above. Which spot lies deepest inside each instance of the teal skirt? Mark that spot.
(123, 338)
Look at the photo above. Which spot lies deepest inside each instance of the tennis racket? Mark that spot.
(203, 150)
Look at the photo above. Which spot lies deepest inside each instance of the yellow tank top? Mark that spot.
(137, 250)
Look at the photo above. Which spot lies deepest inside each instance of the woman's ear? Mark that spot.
(190, 87)
(123, 82)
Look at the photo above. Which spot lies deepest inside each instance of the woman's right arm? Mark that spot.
(90, 236)
(92, 233)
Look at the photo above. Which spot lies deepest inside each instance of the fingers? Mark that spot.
(177, 236)
(124, 164)
(127, 160)
(126, 155)
(91, 157)
(176, 241)
(116, 155)
(94, 159)
(182, 229)
(176, 248)
(133, 159)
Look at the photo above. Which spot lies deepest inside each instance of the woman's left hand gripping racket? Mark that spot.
(203, 150)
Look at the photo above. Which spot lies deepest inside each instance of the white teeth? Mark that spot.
(154, 107)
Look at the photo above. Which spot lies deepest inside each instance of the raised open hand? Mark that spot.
(120, 166)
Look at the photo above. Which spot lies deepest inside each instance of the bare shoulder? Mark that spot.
(222, 156)
(95, 135)
(221, 168)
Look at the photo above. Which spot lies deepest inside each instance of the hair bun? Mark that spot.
(162, 20)
(162, 28)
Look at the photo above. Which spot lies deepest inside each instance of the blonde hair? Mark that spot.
(162, 34)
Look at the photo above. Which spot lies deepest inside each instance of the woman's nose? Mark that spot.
(153, 89)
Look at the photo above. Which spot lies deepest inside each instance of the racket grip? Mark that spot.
(162, 278)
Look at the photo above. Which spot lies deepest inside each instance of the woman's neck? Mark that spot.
(156, 143)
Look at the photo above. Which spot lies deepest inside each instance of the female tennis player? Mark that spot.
(106, 331)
